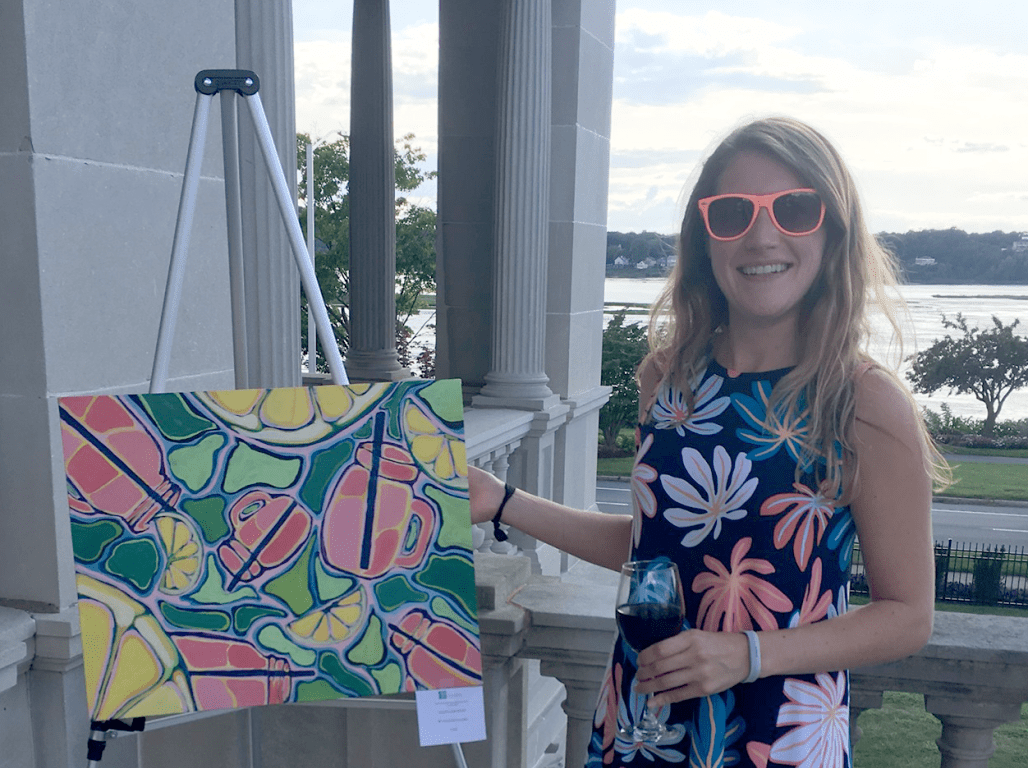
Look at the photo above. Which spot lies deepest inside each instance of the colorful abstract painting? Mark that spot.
(264, 546)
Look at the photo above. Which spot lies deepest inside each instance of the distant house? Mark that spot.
(621, 261)
(646, 263)
(1020, 246)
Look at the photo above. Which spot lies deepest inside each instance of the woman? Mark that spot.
(768, 438)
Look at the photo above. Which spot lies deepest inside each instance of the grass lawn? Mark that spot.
(1014, 453)
(902, 735)
(1007, 482)
(989, 481)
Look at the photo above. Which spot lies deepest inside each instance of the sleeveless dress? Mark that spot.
(717, 493)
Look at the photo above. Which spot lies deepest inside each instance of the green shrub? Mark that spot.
(987, 585)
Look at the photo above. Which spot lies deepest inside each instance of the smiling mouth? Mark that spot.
(764, 269)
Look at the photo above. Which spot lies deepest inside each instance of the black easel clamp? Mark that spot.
(212, 81)
(100, 730)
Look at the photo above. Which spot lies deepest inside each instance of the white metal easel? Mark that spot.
(230, 83)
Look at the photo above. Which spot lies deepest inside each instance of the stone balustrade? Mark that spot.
(973, 673)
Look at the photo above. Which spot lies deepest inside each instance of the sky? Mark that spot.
(927, 102)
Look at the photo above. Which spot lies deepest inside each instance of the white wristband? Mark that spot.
(754, 643)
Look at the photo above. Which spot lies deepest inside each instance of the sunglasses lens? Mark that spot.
(798, 212)
(729, 216)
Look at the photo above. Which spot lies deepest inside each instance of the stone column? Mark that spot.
(58, 690)
(582, 683)
(264, 43)
(967, 728)
(861, 698)
(517, 377)
(372, 351)
(583, 66)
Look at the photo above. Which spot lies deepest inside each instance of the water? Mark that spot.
(926, 305)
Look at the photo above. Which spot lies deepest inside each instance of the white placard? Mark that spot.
(450, 715)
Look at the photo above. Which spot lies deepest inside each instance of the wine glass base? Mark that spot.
(643, 734)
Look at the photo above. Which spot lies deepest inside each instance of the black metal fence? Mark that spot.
(968, 573)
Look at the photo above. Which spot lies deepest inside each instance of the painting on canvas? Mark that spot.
(255, 547)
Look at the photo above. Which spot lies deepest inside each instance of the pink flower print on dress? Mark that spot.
(642, 476)
(734, 599)
(807, 514)
(814, 607)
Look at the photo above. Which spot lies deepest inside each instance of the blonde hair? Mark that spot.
(855, 272)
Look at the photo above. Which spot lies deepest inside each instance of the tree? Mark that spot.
(624, 347)
(415, 234)
(989, 364)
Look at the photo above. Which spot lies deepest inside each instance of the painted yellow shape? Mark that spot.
(127, 655)
(333, 402)
(441, 454)
(171, 698)
(182, 551)
(98, 627)
(136, 671)
(333, 622)
(237, 401)
(288, 408)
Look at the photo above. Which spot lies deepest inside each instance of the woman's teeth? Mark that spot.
(764, 269)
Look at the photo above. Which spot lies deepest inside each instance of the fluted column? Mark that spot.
(372, 352)
(264, 43)
(517, 377)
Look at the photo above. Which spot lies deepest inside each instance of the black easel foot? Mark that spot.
(98, 735)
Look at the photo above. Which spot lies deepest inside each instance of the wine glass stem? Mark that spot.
(649, 720)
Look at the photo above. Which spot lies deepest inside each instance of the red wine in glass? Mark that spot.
(643, 624)
(650, 608)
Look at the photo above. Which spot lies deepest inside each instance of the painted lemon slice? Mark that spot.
(183, 554)
(439, 452)
(131, 665)
(293, 415)
(333, 622)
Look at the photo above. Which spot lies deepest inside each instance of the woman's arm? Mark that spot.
(599, 538)
(892, 511)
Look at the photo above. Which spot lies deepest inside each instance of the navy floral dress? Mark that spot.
(717, 493)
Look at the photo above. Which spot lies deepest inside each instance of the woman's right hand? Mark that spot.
(486, 492)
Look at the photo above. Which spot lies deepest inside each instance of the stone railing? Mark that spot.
(492, 437)
(17, 644)
(973, 672)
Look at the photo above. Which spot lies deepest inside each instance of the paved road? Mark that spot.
(961, 521)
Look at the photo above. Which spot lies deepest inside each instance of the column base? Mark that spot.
(375, 366)
(527, 393)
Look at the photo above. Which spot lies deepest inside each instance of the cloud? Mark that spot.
(322, 72)
(952, 107)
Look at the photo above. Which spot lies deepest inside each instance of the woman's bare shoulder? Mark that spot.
(885, 408)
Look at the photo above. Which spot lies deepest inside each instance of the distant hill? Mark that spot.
(926, 256)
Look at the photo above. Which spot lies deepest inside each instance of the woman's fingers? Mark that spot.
(692, 664)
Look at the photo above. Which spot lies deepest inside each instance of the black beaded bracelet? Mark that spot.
(498, 533)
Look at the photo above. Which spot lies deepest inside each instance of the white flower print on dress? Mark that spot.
(671, 409)
(821, 715)
(718, 494)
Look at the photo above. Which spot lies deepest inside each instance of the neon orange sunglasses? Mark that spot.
(794, 212)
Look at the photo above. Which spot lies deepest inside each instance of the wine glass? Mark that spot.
(650, 608)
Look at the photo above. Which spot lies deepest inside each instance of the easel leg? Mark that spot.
(180, 246)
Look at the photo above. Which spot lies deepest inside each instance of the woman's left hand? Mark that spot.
(692, 664)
